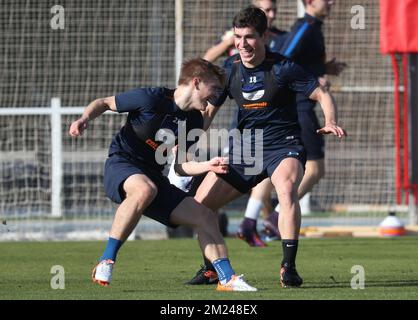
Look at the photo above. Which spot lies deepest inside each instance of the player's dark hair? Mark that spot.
(200, 68)
(251, 17)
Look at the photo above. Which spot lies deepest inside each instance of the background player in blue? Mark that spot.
(264, 86)
(133, 176)
(305, 44)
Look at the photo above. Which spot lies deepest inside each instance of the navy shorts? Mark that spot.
(243, 182)
(313, 142)
(119, 167)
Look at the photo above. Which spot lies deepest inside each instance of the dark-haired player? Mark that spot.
(260, 194)
(305, 45)
(264, 86)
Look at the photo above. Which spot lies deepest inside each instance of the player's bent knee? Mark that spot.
(144, 193)
(315, 170)
(315, 173)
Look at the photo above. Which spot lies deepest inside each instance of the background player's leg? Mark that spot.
(261, 192)
(258, 201)
(314, 171)
(315, 164)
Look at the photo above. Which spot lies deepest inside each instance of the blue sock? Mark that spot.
(111, 250)
(223, 269)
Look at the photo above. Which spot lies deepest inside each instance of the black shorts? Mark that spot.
(195, 184)
(120, 167)
(243, 182)
(313, 142)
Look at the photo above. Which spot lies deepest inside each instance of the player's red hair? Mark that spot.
(200, 68)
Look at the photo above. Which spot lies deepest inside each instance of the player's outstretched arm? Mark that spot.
(326, 101)
(219, 49)
(92, 111)
(193, 168)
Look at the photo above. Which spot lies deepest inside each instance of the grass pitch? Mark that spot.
(156, 270)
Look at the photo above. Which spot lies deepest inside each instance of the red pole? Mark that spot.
(405, 128)
(397, 132)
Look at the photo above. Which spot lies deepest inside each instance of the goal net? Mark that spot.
(106, 47)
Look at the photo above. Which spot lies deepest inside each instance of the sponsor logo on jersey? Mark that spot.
(254, 89)
(257, 105)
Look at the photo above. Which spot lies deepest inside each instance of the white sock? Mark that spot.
(305, 204)
(277, 209)
(254, 207)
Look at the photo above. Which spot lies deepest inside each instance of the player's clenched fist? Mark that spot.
(77, 127)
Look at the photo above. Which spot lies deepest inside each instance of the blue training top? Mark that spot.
(266, 96)
(150, 109)
(305, 45)
(277, 39)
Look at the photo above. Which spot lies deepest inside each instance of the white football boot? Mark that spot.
(102, 273)
(237, 283)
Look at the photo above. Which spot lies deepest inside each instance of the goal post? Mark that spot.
(56, 157)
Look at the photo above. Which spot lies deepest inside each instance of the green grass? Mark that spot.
(157, 270)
